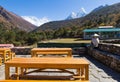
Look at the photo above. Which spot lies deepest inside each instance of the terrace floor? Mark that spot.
(97, 71)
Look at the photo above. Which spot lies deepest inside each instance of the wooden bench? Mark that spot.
(54, 51)
(42, 81)
(5, 53)
(80, 65)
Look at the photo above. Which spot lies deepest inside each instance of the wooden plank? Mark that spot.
(44, 61)
(51, 49)
(42, 81)
(51, 53)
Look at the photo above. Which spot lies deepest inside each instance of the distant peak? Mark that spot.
(35, 20)
(82, 12)
(73, 13)
(72, 16)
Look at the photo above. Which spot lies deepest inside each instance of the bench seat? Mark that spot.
(42, 81)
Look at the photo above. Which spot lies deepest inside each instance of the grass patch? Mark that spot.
(64, 42)
(67, 40)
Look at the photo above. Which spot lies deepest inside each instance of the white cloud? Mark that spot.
(36, 21)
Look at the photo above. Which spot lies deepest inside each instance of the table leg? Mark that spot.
(22, 71)
(33, 54)
(82, 73)
(7, 72)
(4, 56)
(26, 69)
(17, 72)
(10, 55)
(86, 72)
(70, 54)
(0, 61)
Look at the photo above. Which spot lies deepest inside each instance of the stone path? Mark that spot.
(97, 71)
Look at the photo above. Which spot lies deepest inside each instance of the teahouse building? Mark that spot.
(105, 32)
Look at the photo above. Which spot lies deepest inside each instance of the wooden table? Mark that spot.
(5, 53)
(60, 51)
(81, 65)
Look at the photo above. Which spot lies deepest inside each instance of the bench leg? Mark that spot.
(86, 72)
(82, 73)
(4, 57)
(7, 72)
(17, 72)
(0, 61)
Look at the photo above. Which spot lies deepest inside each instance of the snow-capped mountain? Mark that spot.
(79, 14)
(36, 21)
(72, 16)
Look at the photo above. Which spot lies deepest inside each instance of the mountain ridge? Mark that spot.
(10, 20)
(99, 7)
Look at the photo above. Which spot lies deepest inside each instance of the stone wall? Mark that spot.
(21, 50)
(114, 41)
(105, 54)
(108, 47)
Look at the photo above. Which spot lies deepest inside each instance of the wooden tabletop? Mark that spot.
(47, 62)
(5, 49)
(35, 49)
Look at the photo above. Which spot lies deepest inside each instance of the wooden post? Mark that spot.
(7, 72)
(4, 56)
(0, 61)
(17, 72)
(70, 54)
(86, 72)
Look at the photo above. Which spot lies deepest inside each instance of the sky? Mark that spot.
(52, 9)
